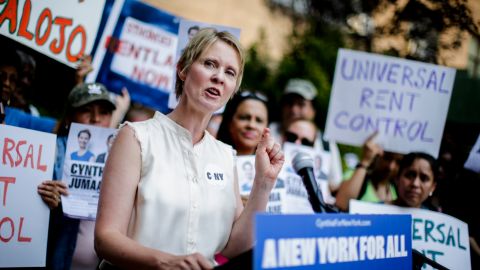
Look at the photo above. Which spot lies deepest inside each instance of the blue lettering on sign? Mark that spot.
(401, 74)
(414, 130)
(209, 176)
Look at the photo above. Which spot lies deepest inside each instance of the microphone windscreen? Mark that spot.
(302, 160)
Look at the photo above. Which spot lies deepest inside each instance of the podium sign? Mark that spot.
(333, 241)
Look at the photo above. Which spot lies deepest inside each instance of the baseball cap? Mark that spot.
(301, 87)
(85, 93)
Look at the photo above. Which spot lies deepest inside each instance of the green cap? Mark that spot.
(85, 93)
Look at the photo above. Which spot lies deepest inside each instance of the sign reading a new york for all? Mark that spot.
(405, 101)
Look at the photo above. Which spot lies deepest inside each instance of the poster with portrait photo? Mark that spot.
(86, 152)
(186, 31)
(473, 161)
(296, 193)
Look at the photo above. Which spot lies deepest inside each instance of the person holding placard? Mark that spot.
(416, 180)
(180, 202)
(372, 180)
(70, 244)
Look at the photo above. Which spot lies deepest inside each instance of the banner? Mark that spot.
(405, 101)
(86, 154)
(27, 160)
(332, 241)
(137, 51)
(61, 29)
(440, 237)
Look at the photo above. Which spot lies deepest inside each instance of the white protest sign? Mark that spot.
(406, 101)
(246, 173)
(145, 53)
(86, 154)
(473, 161)
(27, 160)
(440, 237)
(61, 29)
(186, 31)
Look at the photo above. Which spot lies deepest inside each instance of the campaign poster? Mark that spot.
(86, 153)
(405, 101)
(186, 31)
(27, 160)
(440, 237)
(64, 30)
(137, 51)
(332, 241)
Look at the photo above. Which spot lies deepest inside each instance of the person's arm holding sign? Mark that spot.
(350, 189)
(50, 192)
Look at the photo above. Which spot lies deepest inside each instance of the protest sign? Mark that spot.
(27, 160)
(438, 236)
(332, 241)
(405, 101)
(473, 161)
(86, 154)
(137, 51)
(61, 29)
(186, 31)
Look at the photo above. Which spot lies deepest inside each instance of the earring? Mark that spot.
(430, 194)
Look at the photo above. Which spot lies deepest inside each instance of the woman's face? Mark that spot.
(83, 139)
(248, 123)
(94, 113)
(415, 183)
(211, 79)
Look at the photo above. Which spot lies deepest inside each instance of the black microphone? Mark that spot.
(303, 165)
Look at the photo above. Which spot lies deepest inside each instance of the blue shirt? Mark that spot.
(19, 118)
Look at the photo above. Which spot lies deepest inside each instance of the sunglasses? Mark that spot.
(292, 137)
(254, 95)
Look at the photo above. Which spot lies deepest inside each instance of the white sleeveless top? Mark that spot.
(185, 199)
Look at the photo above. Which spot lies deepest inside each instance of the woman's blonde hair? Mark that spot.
(201, 42)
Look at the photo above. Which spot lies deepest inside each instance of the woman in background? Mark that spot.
(244, 119)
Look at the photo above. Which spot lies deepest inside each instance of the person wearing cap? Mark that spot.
(297, 103)
(70, 241)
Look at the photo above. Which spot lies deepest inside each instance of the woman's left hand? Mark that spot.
(269, 160)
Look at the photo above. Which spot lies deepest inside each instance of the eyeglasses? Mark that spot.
(255, 95)
(292, 137)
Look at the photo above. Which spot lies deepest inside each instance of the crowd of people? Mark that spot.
(157, 209)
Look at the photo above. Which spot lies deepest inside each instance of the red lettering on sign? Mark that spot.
(63, 23)
(21, 238)
(23, 31)
(10, 13)
(6, 180)
(39, 38)
(79, 30)
(6, 151)
(12, 229)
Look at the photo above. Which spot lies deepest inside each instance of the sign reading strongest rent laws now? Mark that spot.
(405, 101)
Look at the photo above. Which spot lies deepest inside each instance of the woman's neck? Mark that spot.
(194, 121)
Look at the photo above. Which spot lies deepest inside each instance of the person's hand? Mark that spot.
(50, 192)
(83, 68)
(188, 262)
(122, 102)
(269, 159)
(370, 150)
